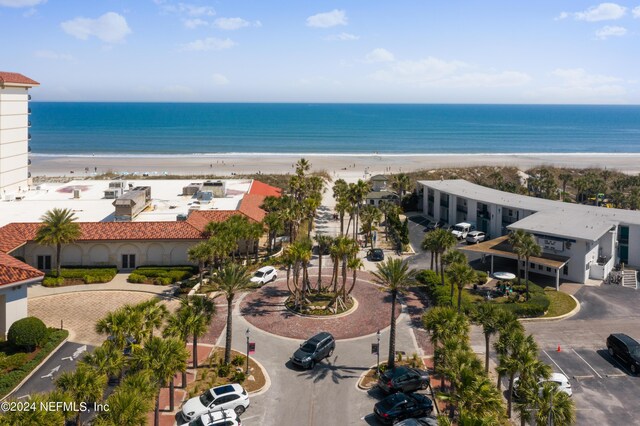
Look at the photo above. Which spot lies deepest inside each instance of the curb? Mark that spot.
(36, 368)
(365, 388)
(559, 317)
(267, 380)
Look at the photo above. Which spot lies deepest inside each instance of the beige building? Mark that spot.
(14, 134)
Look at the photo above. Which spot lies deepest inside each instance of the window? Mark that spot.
(510, 212)
(532, 265)
(548, 269)
(540, 267)
(44, 262)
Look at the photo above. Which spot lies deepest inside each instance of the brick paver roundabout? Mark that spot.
(264, 308)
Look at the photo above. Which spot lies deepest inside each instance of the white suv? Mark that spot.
(216, 418)
(264, 275)
(227, 397)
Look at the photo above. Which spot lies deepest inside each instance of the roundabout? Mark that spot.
(265, 309)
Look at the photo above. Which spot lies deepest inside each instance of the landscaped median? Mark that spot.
(17, 361)
(161, 275)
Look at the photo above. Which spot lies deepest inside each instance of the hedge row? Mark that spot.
(11, 379)
(162, 276)
(87, 275)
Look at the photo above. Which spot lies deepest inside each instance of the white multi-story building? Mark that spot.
(14, 133)
(578, 242)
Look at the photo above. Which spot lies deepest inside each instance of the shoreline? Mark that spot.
(229, 164)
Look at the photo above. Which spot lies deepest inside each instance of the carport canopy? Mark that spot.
(500, 247)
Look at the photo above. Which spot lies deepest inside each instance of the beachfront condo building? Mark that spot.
(14, 134)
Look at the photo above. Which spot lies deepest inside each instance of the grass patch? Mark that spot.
(561, 303)
(10, 377)
(371, 377)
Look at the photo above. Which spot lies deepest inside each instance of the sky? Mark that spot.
(401, 51)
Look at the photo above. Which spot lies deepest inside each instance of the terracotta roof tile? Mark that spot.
(261, 188)
(15, 78)
(12, 270)
(199, 219)
(250, 206)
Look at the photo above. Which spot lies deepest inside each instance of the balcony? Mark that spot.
(29, 136)
(29, 110)
(29, 149)
(28, 123)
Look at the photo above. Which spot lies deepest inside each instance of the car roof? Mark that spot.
(265, 269)
(627, 340)
(558, 377)
(319, 337)
(217, 415)
(376, 250)
(224, 389)
(475, 232)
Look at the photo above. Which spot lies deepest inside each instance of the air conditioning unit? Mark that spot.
(76, 193)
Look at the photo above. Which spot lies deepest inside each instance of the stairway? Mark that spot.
(629, 278)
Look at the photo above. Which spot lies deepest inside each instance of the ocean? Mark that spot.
(101, 128)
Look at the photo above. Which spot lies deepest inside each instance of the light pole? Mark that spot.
(378, 354)
(246, 333)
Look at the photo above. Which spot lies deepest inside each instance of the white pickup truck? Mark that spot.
(460, 230)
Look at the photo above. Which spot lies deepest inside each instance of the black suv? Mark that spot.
(403, 379)
(314, 350)
(626, 350)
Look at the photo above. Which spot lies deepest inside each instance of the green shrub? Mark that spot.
(481, 277)
(136, 278)
(238, 360)
(15, 361)
(239, 377)
(224, 370)
(27, 333)
(162, 280)
(92, 279)
(164, 275)
(52, 281)
(81, 272)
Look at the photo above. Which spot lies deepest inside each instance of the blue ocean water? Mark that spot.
(191, 128)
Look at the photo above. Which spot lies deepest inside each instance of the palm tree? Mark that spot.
(355, 264)
(510, 329)
(232, 279)
(126, 407)
(58, 228)
(515, 239)
(83, 385)
(452, 257)
(106, 359)
(200, 253)
(444, 241)
(121, 325)
(401, 184)
(181, 325)
(555, 407)
(370, 215)
(460, 274)
(275, 225)
(532, 371)
(527, 249)
(430, 244)
(487, 315)
(478, 396)
(163, 358)
(324, 244)
(38, 417)
(153, 315)
(395, 276)
(200, 312)
(565, 178)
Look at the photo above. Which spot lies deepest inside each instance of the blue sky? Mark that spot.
(425, 51)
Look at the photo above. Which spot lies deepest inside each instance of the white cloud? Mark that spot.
(480, 79)
(219, 79)
(577, 85)
(601, 12)
(563, 15)
(194, 23)
(380, 55)
(185, 8)
(328, 19)
(342, 37)
(636, 12)
(209, 43)
(230, 23)
(21, 3)
(578, 77)
(110, 28)
(50, 54)
(610, 31)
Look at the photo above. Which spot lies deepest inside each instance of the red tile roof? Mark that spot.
(261, 188)
(199, 219)
(12, 270)
(13, 78)
(250, 206)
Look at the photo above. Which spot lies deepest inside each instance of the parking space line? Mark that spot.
(556, 364)
(585, 361)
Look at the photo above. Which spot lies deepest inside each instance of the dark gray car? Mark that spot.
(626, 350)
(314, 350)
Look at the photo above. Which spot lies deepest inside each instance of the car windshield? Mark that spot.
(391, 401)
(635, 351)
(259, 274)
(309, 347)
(376, 251)
(458, 228)
(206, 398)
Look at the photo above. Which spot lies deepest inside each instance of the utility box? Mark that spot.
(132, 203)
(217, 188)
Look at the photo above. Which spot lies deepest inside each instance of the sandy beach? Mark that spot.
(336, 165)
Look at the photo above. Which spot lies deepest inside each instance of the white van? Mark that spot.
(460, 230)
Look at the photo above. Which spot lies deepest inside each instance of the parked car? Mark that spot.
(216, 418)
(626, 350)
(426, 224)
(227, 397)
(264, 275)
(420, 421)
(435, 225)
(400, 406)
(460, 230)
(475, 237)
(403, 379)
(375, 255)
(559, 379)
(314, 350)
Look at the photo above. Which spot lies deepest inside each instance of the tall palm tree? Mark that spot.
(555, 407)
(369, 216)
(460, 274)
(200, 253)
(324, 244)
(163, 358)
(395, 276)
(528, 248)
(181, 325)
(121, 325)
(487, 315)
(452, 257)
(401, 184)
(126, 407)
(84, 384)
(532, 371)
(200, 313)
(430, 244)
(153, 315)
(58, 228)
(515, 239)
(106, 359)
(232, 279)
(478, 397)
(510, 329)
(275, 225)
(445, 241)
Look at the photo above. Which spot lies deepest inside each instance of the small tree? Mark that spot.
(27, 333)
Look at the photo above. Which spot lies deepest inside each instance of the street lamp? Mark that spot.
(378, 354)
(246, 333)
